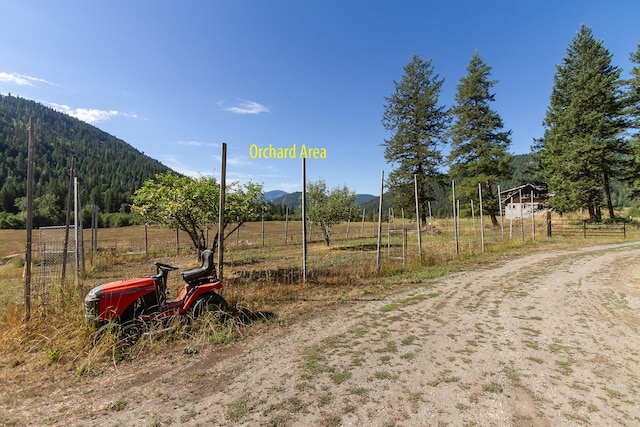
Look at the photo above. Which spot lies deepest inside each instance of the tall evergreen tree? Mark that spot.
(479, 147)
(418, 125)
(582, 149)
(633, 105)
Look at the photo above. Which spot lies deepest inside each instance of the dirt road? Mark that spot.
(543, 340)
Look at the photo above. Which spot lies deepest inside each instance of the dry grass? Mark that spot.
(262, 284)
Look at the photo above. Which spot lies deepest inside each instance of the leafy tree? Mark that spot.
(191, 205)
(582, 149)
(45, 212)
(328, 207)
(418, 125)
(479, 146)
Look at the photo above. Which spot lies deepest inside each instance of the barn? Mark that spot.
(520, 202)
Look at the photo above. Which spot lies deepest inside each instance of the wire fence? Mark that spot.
(272, 251)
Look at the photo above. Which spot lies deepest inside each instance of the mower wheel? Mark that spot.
(127, 333)
(209, 303)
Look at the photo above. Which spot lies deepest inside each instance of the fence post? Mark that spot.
(286, 225)
(549, 232)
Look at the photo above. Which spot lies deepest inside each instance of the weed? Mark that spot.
(388, 308)
(614, 394)
(237, 409)
(513, 375)
(493, 388)
(118, 405)
(189, 415)
(53, 356)
(564, 366)
(358, 391)
(325, 399)
(340, 376)
(330, 420)
(408, 340)
(530, 331)
(295, 404)
(408, 356)
(384, 375)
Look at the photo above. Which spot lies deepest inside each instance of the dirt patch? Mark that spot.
(545, 339)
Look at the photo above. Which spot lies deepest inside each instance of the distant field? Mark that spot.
(12, 242)
(251, 234)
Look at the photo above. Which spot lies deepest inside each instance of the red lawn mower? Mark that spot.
(129, 307)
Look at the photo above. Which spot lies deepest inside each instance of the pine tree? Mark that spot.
(479, 147)
(418, 125)
(633, 105)
(582, 149)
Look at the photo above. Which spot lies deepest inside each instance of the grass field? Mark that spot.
(262, 272)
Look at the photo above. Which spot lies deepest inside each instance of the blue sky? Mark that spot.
(175, 79)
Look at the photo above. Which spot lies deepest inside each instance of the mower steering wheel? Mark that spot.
(164, 266)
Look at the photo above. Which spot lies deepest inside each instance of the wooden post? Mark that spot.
(286, 225)
(481, 219)
(65, 249)
(501, 217)
(549, 232)
(511, 217)
(415, 184)
(304, 220)
(76, 230)
(29, 224)
(221, 218)
(455, 227)
(380, 222)
(146, 241)
(533, 221)
(348, 224)
(521, 215)
(473, 220)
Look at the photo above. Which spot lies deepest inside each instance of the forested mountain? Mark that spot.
(108, 169)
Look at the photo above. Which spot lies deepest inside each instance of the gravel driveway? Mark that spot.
(542, 340)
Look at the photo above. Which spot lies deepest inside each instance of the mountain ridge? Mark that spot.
(109, 169)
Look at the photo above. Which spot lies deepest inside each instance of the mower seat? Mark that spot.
(203, 270)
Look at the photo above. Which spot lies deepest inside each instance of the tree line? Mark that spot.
(109, 170)
(590, 146)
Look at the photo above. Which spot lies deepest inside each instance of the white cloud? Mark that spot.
(22, 80)
(289, 187)
(234, 161)
(90, 115)
(177, 165)
(198, 144)
(246, 107)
